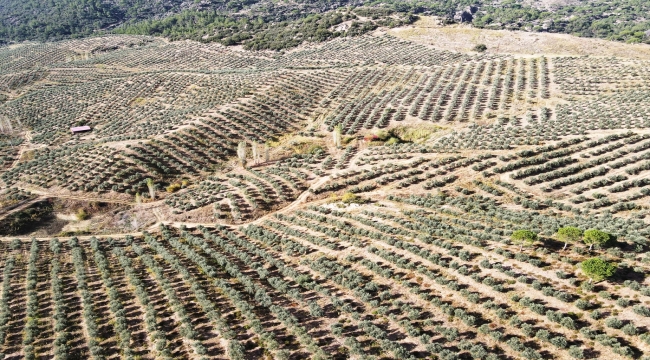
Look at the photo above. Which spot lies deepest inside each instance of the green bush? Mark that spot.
(480, 48)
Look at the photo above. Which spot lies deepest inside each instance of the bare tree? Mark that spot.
(241, 153)
(336, 134)
(254, 146)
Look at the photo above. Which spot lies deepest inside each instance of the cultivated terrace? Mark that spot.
(365, 197)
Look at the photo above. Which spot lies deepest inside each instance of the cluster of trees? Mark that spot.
(595, 268)
(567, 234)
(618, 20)
(272, 30)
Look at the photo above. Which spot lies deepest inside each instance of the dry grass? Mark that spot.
(463, 38)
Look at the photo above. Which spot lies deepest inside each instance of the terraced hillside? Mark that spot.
(367, 197)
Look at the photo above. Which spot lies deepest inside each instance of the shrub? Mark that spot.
(642, 310)
(623, 302)
(582, 304)
(82, 214)
(614, 323)
(173, 187)
(576, 352)
(559, 341)
(480, 48)
(596, 314)
(630, 329)
(350, 198)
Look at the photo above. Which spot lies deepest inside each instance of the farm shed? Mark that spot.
(79, 129)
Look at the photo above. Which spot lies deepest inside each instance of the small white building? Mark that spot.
(79, 129)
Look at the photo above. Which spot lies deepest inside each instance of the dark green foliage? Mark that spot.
(523, 237)
(619, 20)
(597, 268)
(265, 25)
(269, 26)
(255, 33)
(569, 234)
(480, 48)
(596, 237)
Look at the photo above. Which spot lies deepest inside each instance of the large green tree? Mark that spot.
(597, 269)
(569, 234)
(523, 238)
(595, 237)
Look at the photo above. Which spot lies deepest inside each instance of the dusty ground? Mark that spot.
(464, 37)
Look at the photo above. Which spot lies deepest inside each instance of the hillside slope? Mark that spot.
(364, 197)
(257, 23)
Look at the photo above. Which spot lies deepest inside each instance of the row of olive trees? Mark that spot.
(120, 322)
(61, 347)
(90, 315)
(156, 336)
(31, 328)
